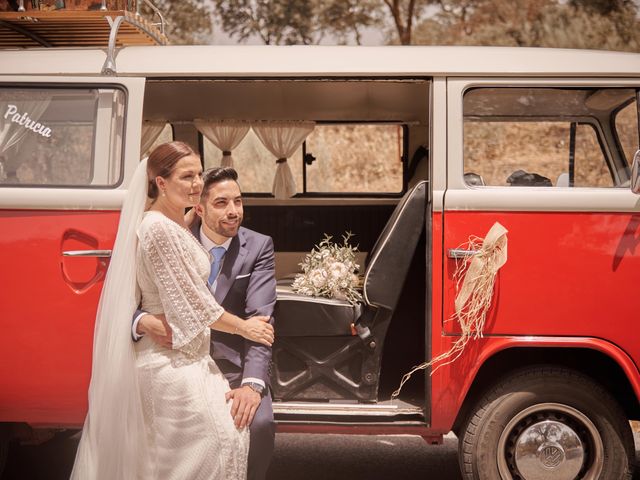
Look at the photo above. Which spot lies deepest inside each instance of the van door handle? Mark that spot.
(461, 253)
(87, 253)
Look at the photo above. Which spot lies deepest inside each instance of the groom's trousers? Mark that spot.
(262, 429)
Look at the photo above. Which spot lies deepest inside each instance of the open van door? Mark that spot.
(68, 147)
(512, 145)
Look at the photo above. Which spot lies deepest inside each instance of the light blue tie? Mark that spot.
(216, 253)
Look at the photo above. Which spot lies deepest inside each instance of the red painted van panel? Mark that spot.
(572, 274)
(569, 281)
(48, 310)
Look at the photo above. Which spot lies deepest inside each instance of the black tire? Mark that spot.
(546, 394)
(4, 447)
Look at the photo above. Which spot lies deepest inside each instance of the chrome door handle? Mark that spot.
(87, 253)
(460, 253)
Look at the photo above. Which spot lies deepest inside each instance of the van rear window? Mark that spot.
(61, 136)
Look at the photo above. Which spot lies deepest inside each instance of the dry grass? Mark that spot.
(496, 150)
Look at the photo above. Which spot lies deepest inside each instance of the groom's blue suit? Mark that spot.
(246, 286)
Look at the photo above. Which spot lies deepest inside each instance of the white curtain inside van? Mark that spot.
(224, 134)
(282, 139)
(150, 132)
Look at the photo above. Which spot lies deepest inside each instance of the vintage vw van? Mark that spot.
(414, 150)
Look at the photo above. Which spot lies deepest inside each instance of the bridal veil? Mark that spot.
(113, 444)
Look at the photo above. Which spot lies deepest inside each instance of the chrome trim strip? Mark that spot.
(87, 253)
(461, 253)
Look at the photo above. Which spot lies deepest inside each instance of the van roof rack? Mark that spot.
(30, 28)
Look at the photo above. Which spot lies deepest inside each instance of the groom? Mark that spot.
(245, 285)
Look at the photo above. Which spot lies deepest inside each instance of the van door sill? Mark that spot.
(382, 409)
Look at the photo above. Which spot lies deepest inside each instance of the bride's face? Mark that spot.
(184, 186)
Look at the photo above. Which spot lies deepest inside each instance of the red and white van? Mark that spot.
(441, 141)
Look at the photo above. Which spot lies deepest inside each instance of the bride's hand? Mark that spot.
(190, 217)
(257, 329)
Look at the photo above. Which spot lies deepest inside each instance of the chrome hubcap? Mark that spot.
(550, 441)
(549, 448)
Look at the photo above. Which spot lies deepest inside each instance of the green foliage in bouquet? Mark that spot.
(330, 270)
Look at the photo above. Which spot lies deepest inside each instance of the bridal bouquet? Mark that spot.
(331, 271)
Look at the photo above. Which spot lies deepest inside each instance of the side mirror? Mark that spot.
(635, 174)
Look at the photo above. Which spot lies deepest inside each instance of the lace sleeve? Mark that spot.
(187, 302)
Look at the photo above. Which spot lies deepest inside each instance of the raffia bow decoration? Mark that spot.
(475, 280)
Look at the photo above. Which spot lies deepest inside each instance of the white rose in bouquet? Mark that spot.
(338, 271)
(318, 278)
(330, 270)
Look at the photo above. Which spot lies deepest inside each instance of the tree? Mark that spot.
(403, 13)
(289, 22)
(534, 23)
(187, 21)
(274, 22)
(309, 21)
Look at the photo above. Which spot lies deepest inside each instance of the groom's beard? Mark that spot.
(228, 227)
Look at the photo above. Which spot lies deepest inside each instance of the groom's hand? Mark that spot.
(156, 327)
(245, 404)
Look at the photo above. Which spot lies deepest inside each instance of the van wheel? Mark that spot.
(547, 423)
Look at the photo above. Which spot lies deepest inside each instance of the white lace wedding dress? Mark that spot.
(190, 431)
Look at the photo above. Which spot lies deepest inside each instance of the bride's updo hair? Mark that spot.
(162, 161)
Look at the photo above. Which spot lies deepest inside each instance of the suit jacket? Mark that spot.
(246, 286)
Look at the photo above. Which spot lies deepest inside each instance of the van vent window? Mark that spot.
(544, 137)
(626, 123)
(61, 137)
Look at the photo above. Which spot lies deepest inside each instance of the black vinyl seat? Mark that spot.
(329, 349)
(321, 316)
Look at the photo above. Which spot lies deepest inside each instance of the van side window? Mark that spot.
(355, 158)
(342, 158)
(61, 136)
(543, 137)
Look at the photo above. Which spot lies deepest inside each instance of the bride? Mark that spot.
(156, 412)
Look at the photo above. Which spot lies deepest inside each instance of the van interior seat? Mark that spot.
(521, 178)
(322, 316)
(473, 179)
(316, 340)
